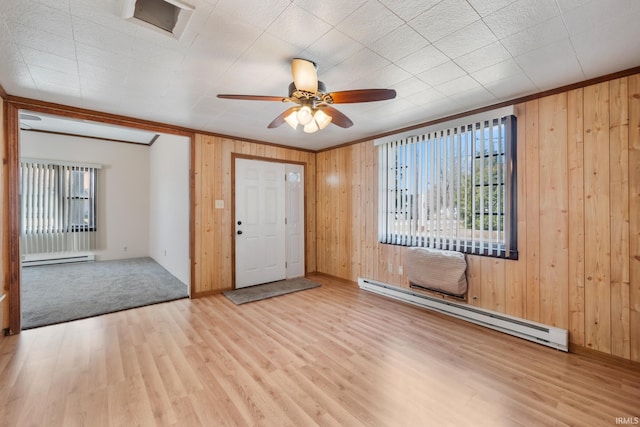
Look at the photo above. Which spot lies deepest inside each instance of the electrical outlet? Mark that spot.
(400, 270)
(390, 267)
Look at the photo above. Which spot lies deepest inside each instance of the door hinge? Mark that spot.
(285, 221)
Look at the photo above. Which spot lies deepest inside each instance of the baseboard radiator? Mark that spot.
(30, 260)
(537, 332)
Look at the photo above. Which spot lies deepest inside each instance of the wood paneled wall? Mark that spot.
(212, 269)
(578, 219)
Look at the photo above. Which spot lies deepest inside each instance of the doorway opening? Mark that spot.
(105, 204)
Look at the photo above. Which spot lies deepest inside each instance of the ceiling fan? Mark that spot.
(313, 109)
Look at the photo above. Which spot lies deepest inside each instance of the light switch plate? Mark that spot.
(219, 204)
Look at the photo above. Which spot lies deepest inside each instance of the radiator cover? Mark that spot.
(437, 270)
(536, 332)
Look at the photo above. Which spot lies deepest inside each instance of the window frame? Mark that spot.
(505, 248)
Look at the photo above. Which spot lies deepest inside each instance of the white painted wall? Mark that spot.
(123, 181)
(169, 205)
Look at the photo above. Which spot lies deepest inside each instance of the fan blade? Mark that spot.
(279, 121)
(254, 97)
(305, 76)
(337, 118)
(362, 95)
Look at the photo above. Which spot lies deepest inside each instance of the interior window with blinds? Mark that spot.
(58, 206)
(452, 188)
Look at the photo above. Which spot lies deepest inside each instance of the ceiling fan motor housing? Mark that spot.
(302, 94)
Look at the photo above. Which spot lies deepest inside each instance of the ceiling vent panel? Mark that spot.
(167, 16)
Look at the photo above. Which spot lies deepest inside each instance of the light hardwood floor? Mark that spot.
(333, 355)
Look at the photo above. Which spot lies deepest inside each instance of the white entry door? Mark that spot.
(260, 222)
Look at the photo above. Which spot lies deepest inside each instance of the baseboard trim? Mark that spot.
(590, 353)
(329, 276)
(208, 293)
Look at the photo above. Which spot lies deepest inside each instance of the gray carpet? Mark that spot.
(59, 293)
(269, 290)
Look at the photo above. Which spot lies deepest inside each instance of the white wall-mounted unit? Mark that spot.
(537, 332)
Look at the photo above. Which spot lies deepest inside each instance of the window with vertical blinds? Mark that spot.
(452, 188)
(58, 206)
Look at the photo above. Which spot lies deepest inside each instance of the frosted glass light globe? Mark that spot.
(305, 115)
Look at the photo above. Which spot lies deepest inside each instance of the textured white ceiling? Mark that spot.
(442, 57)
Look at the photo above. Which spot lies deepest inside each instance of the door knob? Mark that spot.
(239, 231)
(239, 222)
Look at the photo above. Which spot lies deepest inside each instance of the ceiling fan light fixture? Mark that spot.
(322, 119)
(304, 115)
(311, 127)
(313, 109)
(292, 120)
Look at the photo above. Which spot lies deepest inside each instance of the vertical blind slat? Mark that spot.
(432, 200)
(490, 187)
(415, 202)
(382, 195)
(451, 185)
